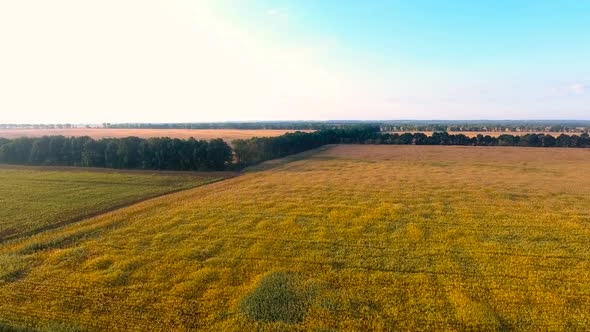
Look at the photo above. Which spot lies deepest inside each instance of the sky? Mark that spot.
(81, 61)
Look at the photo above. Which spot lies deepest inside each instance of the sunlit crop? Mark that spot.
(346, 238)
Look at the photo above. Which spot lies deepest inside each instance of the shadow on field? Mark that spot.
(270, 164)
(282, 297)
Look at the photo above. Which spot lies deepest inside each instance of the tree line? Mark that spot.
(262, 125)
(258, 149)
(39, 126)
(571, 126)
(524, 126)
(568, 126)
(129, 152)
(191, 154)
(444, 138)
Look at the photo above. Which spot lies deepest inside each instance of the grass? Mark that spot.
(349, 238)
(36, 199)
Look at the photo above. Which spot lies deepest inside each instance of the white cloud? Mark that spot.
(280, 13)
(577, 88)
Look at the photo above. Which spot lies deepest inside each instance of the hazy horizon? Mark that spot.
(433, 121)
(183, 61)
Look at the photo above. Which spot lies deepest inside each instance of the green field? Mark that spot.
(36, 199)
(346, 238)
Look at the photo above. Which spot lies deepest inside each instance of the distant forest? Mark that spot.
(569, 126)
(409, 125)
(191, 154)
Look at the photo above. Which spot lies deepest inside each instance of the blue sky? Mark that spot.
(446, 34)
(182, 60)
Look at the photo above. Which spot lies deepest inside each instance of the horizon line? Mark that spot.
(299, 121)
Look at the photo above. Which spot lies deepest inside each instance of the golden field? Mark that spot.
(227, 135)
(343, 238)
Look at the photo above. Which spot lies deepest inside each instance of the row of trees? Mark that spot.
(257, 149)
(279, 125)
(130, 152)
(573, 126)
(570, 126)
(191, 154)
(444, 138)
(39, 126)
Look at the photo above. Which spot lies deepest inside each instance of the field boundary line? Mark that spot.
(224, 174)
(116, 207)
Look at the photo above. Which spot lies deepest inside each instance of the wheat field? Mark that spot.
(346, 237)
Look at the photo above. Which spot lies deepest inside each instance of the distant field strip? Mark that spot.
(351, 237)
(34, 199)
(491, 133)
(205, 134)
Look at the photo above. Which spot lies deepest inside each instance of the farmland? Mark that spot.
(226, 134)
(489, 133)
(345, 237)
(34, 199)
(205, 134)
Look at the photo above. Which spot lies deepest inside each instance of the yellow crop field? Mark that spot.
(343, 238)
